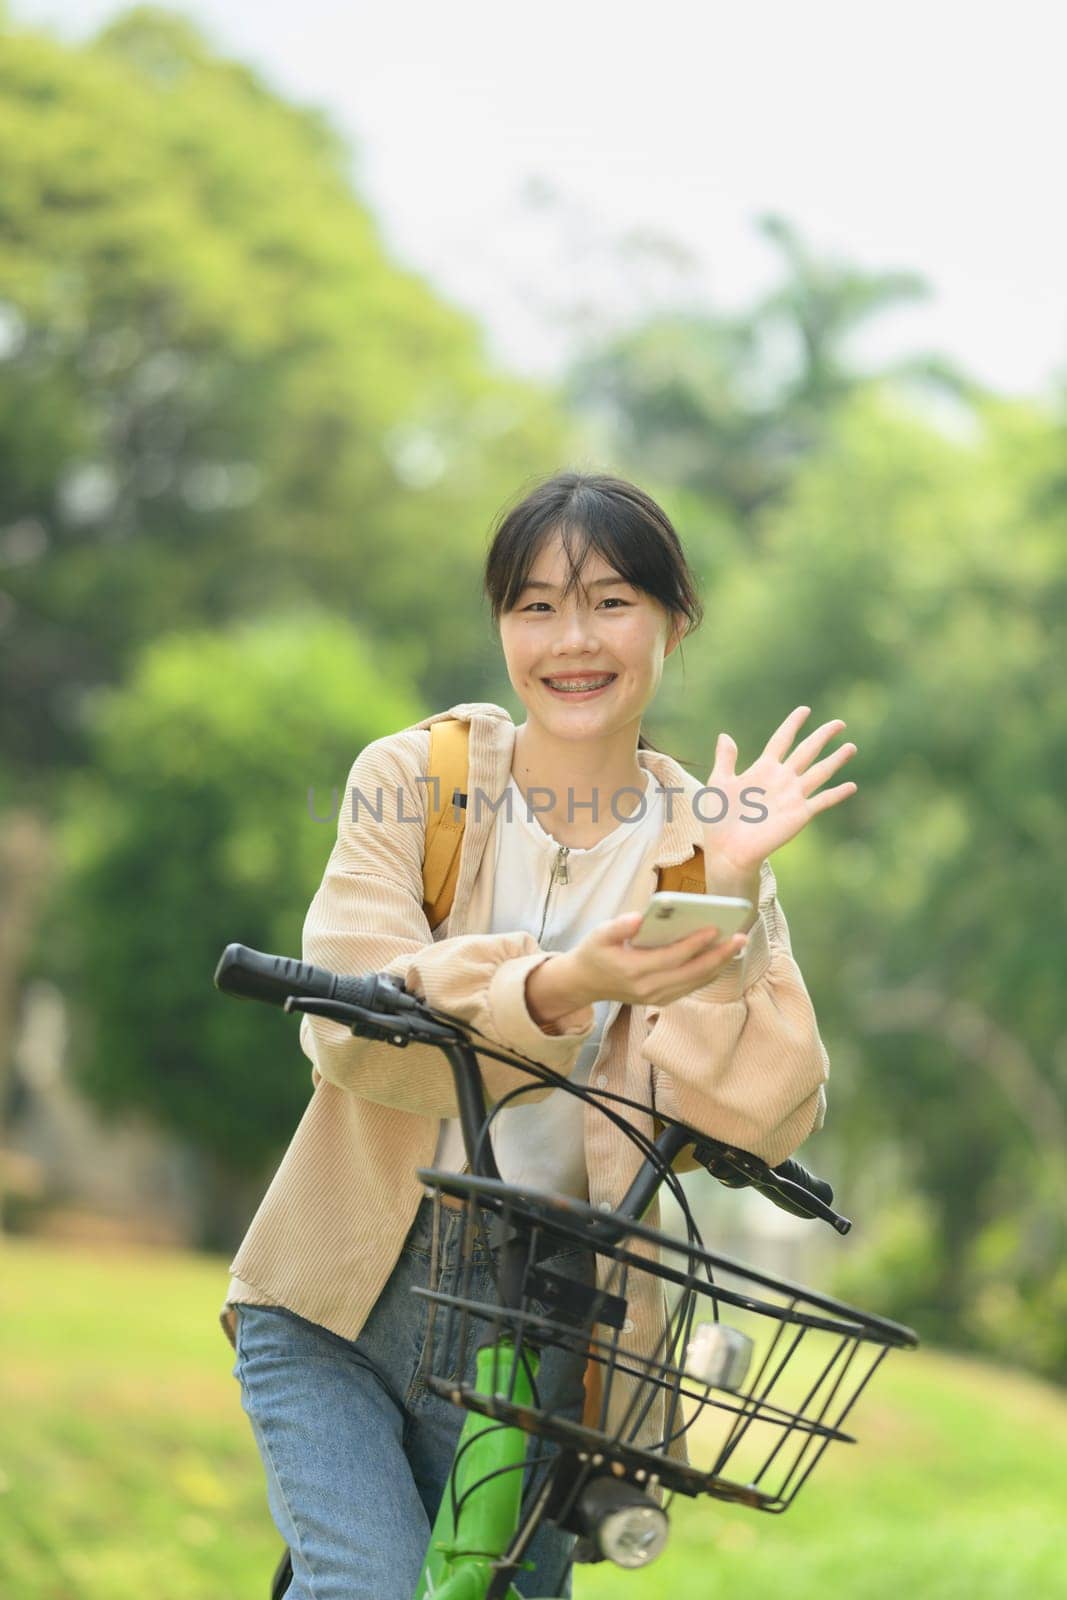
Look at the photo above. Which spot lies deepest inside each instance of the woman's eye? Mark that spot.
(613, 600)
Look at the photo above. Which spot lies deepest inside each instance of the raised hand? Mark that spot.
(750, 830)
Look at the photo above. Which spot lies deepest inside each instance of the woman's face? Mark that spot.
(606, 635)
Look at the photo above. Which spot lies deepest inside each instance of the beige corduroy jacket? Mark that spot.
(740, 1059)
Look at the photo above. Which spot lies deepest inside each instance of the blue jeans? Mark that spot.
(357, 1450)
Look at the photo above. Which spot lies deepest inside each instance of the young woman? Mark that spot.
(591, 592)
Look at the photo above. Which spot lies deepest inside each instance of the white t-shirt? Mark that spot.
(541, 1144)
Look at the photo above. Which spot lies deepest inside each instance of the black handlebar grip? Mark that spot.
(254, 975)
(795, 1173)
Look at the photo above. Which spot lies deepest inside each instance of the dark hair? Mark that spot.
(592, 511)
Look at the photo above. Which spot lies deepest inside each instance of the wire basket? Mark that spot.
(702, 1375)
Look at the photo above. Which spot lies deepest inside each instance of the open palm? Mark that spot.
(787, 784)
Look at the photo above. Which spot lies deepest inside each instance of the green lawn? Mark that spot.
(128, 1471)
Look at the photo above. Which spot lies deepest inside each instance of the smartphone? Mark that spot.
(671, 915)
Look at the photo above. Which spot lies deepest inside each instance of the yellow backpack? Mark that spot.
(449, 741)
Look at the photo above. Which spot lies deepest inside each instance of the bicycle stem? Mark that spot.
(470, 1098)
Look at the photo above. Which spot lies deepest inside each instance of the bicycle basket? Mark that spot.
(702, 1375)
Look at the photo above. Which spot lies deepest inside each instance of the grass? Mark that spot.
(128, 1470)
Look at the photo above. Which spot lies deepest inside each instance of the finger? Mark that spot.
(703, 937)
(689, 943)
(618, 929)
(703, 968)
(832, 797)
(725, 765)
(708, 961)
(666, 957)
(809, 748)
(825, 769)
(786, 732)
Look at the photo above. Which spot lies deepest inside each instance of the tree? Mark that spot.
(913, 584)
(217, 392)
(219, 397)
(193, 830)
(728, 406)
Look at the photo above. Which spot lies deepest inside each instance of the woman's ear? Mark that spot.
(675, 634)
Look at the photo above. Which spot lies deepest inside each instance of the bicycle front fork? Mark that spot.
(485, 1485)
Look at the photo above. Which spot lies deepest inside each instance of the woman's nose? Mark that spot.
(575, 631)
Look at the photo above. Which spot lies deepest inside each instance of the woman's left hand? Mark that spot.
(787, 798)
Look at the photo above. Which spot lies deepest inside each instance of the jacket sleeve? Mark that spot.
(741, 1058)
(367, 916)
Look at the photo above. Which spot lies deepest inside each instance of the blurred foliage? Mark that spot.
(211, 401)
(206, 818)
(727, 407)
(913, 585)
(247, 467)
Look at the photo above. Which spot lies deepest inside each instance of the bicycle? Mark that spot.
(609, 1478)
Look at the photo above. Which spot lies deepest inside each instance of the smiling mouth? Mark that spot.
(581, 686)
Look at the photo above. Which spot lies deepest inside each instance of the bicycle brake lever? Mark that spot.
(789, 1196)
(366, 1025)
(739, 1169)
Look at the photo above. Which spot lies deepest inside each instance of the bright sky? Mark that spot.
(926, 134)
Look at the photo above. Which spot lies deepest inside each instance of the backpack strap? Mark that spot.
(449, 742)
(685, 877)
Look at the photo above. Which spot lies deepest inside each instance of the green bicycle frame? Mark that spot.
(458, 1563)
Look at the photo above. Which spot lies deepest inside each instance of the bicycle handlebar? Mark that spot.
(375, 1006)
(253, 975)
